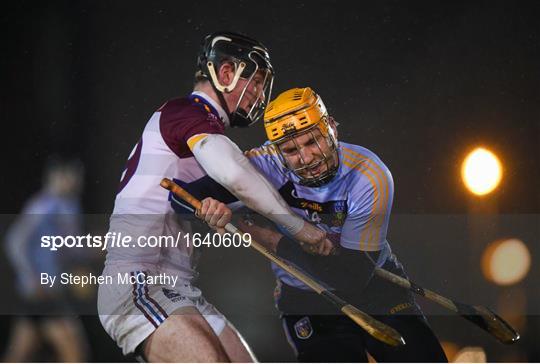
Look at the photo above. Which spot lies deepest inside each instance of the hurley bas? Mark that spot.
(132, 278)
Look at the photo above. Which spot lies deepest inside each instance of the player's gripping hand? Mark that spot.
(313, 240)
(270, 238)
(216, 214)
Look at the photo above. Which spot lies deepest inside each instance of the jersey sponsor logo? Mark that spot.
(330, 215)
(311, 205)
(303, 328)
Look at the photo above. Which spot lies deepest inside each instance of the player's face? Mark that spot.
(309, 154)
(254, 91)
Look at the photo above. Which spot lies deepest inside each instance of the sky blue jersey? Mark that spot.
(353, 208)
(44, 214)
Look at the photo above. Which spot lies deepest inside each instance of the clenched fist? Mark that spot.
(216, 214)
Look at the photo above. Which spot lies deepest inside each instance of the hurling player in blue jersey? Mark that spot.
(346, 190)
(48, 317)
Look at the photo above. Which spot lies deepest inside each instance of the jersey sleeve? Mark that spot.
(266, 161)
(183, 124)
(370, 204)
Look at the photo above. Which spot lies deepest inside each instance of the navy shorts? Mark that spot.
(318, 332)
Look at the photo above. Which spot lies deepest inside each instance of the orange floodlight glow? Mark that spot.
(481, 171)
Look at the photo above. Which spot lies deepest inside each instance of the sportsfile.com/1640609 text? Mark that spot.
(121, 240)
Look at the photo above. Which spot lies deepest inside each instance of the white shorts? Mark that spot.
(132, 312)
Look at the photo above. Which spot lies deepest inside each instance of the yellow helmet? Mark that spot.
(293, 111)
(296, 112)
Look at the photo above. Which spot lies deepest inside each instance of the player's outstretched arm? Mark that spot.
(226, 164)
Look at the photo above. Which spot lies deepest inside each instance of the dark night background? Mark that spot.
(419, 83)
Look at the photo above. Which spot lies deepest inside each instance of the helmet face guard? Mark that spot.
(292, 158)
(251, 63)
(298, 119)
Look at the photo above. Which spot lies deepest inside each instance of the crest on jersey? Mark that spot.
(303, 328)
(338, 219)
(340, 213)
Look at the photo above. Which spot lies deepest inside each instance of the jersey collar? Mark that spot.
(214, 106)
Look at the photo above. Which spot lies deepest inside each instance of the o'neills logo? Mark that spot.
(311, 205)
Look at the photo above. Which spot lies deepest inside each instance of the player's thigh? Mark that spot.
(177, 320)
(421, 343)
(235, 346)
(185, 336)
(324, 338)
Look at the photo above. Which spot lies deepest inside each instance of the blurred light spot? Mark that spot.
(481, 171)
(506, 262)
(471, 354)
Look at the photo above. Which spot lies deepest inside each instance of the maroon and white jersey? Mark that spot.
(141, 207)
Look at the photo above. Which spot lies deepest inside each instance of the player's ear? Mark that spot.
(226, 73)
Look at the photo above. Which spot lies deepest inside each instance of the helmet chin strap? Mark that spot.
(222, 101)
(235, 119)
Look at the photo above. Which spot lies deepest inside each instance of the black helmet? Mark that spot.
(249, 57)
